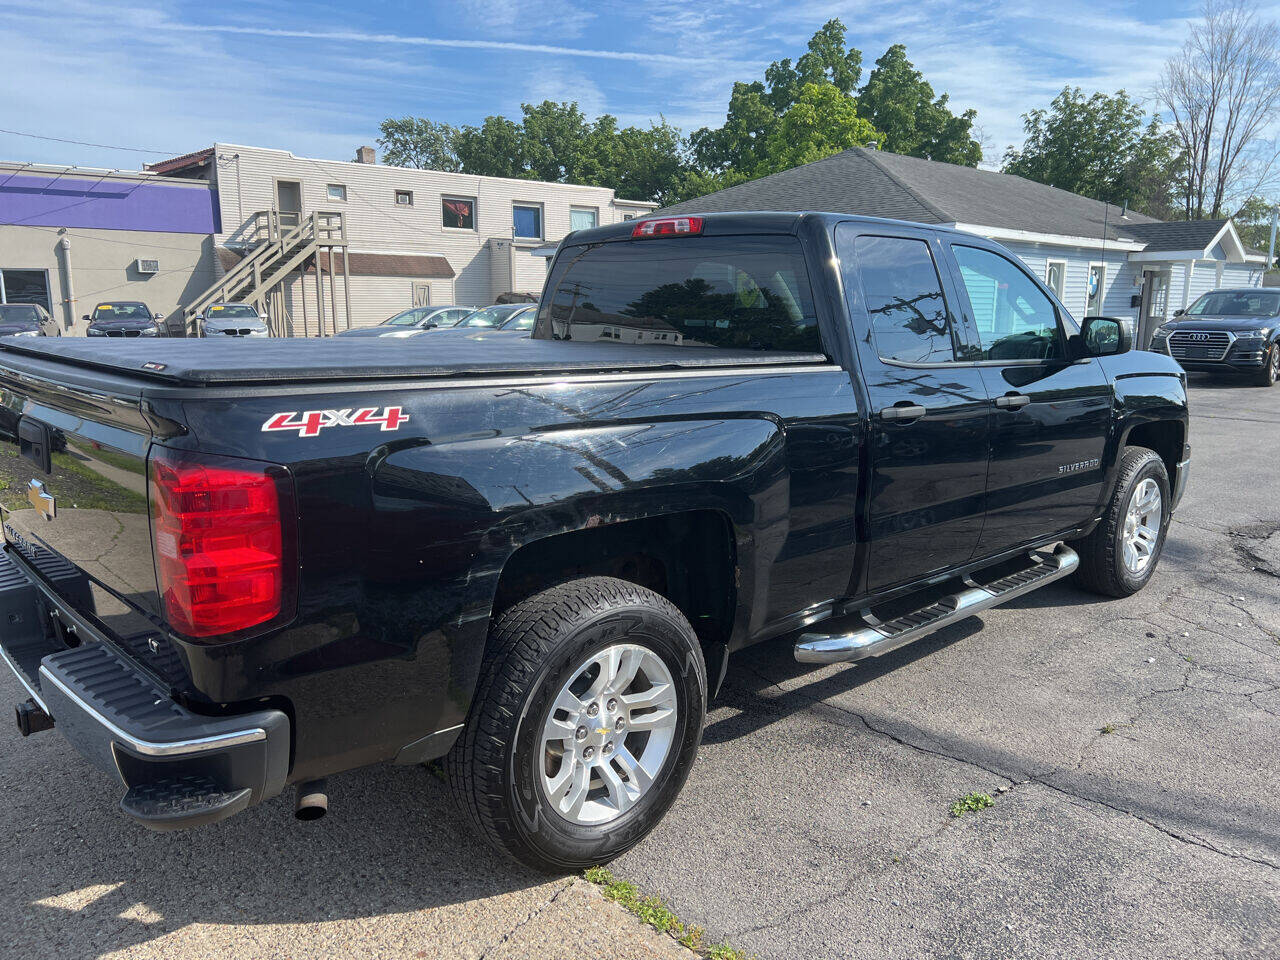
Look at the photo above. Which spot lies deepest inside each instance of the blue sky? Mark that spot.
(317, 77)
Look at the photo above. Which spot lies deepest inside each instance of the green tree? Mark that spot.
(494, 149)
(899, 102)
(762, 134)
(822, 121)
(1253, 220)
(829, 61)
(418, 142)
(1101, 147)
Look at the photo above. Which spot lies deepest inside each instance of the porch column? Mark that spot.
(1186, 282)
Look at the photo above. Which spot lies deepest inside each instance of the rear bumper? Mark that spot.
(177, 768)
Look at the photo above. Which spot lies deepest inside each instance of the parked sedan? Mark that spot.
(501, 316)
(1230, 331)
(124, 318)
(413, 321)
(26, 320)
(231, 320)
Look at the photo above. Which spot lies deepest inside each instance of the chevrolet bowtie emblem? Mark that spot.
(40, 498)
(603, 731)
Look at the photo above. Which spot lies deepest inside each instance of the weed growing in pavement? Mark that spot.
(1108, 728)
(656, 914)
(971, 803)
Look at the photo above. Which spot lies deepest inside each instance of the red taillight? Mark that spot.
(667, 227)
(219, 531)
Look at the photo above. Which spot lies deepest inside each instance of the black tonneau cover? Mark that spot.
(209, 362)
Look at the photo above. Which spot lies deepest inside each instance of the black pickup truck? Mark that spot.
(229, 572)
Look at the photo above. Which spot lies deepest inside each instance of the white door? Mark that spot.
(422, 294)
(1097, 290)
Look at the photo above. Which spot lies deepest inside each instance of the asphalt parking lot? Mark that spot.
(1132, 749)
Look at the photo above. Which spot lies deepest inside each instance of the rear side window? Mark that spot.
(909, 318)
(748, 293)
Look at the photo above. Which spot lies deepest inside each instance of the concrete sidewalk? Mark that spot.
(391, 872)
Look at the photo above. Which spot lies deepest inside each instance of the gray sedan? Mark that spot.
(231, 320)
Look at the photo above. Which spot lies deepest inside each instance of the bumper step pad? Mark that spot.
(861, 635)
(182, 802)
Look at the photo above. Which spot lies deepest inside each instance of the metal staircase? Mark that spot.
(281, 243)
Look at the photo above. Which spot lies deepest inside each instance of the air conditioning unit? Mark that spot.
(147, 266)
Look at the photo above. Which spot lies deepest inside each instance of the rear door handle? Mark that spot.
(903, 411)
(1012, 401)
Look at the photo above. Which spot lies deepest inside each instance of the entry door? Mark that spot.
(1050, 414)
(289, 202)
(929, 413)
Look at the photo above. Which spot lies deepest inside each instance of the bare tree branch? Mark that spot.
(1222, 93)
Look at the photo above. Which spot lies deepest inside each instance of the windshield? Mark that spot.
(524, 321)
(487, 317)
(18, 313)
(232, 311)
(1237, 303)
(407, 319)
(121, 311)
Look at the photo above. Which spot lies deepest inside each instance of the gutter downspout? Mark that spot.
(69, 303)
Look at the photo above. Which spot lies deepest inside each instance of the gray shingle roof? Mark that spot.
(1192, 235)
(879, 184)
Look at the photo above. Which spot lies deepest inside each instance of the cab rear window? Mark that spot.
(747, 293)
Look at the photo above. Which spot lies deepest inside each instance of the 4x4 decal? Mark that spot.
(310, 422)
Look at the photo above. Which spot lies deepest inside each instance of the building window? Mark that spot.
(526, 221)
(1055, 276)
(336, 191)
(25, 286)
(404, 198)
(583, 218)
(458, 213)
(1096, 290)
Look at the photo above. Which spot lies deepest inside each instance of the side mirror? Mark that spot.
(86, 318)
(1106, 336)
(1179, 312)
(158, 316)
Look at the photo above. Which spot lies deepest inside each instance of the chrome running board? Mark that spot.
(870, 637)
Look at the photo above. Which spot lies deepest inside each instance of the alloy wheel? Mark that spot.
(1141, 533)
(608, 734)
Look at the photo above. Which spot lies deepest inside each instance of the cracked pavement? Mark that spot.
(1132, 748)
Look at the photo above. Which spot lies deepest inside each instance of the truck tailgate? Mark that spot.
(74, 499)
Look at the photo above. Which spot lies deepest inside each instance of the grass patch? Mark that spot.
(657, 915)
(1107, 728)
(971, 803)
(73, 483)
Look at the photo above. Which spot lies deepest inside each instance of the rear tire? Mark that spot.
(1121, 554)
(1270, 370)
(547, 782)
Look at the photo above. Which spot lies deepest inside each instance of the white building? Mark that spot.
(384, 238)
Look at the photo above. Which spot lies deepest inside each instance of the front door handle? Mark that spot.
(903, 411)
(1012, 401)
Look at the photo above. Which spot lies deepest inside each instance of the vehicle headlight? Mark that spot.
(95, 333)
(27, 333)
(1252, 336)
(1161, 332)
(149, 332)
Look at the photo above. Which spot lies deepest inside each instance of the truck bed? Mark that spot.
(214, 362)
